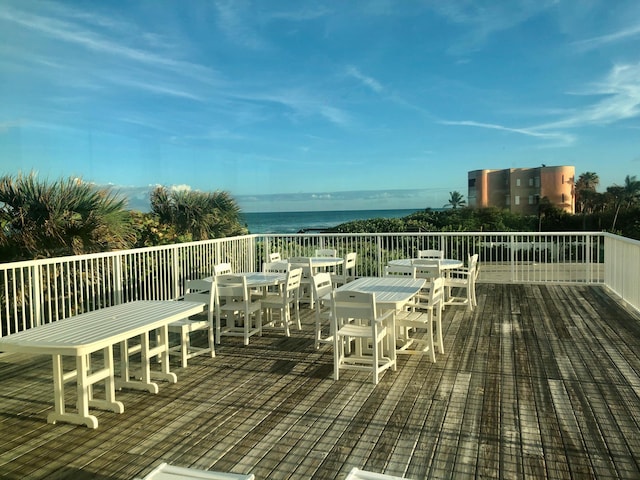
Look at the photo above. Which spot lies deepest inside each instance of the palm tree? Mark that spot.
(456, 199)
(197, 215)
(587, 183)
(626, 195)
(66, 217)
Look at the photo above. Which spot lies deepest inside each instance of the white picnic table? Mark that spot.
(82, 335)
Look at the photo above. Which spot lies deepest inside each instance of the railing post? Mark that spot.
(379, 255)
(36, 291)
(177, 274)
(512, 257)
(118, 279)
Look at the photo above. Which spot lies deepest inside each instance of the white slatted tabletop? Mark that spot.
(391, 292)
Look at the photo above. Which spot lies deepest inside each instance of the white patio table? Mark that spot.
(443, 263)
(260, 279)
(87, 333)
(391, 292)
(324, 263)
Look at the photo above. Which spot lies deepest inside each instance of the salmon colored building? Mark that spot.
(521, 189)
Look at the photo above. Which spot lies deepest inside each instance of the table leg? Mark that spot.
(162, 350)
(144, 382)
(59, 413)
(106, 374)
(146, 353)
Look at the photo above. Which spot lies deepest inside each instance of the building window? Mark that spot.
(537, 182)
(563, 198)
(472, 182)
(517, 200)
(531, 182)
(562, 178)
(517, 182)
(530, 199)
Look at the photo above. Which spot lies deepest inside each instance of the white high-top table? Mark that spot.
(82, 335)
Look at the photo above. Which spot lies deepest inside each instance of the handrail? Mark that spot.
(47, 290)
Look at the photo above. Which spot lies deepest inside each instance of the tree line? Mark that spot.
(615, 210)
(41, 219)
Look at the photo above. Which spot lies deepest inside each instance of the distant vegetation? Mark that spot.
(616, 210)
(40, 219)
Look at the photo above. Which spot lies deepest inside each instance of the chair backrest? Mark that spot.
(431, 253)
(275, 267)
(326, 252)
(274, 257)
(436, 291)
(222, 269)
(322, 286)
(473, 262)
(431, 294)
(231, 288)
(400, 271)
(201, 291)
(304, 263)
(350, 261)
(427, 270)
(473, 266)
(292, 282)
(348, 306)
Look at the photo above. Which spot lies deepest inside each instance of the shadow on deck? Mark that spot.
(540, 381)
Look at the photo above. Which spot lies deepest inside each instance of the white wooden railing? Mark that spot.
(43, 291)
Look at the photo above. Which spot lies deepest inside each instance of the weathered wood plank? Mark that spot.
(539, 381)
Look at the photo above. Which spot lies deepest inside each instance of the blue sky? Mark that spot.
(312, 105)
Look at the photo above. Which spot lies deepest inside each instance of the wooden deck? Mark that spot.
(539, 382)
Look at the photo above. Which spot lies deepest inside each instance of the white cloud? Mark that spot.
(621, 92)
(369, 82)
(532, 132)
(624, 34)
(74, 33)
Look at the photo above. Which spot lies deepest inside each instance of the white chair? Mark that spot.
(306, 287)
(354, 316)
(195, 291)
(431, 253)
(222, 269)
(322, 287)
(463, 279)
(283, 300)
(275, 257)
(400, 271)
(234, 305)
(326, 252)
(347, 272)
(421, 315)
(357, 474)
(165, 471)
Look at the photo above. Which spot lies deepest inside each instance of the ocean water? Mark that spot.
(294, 222)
